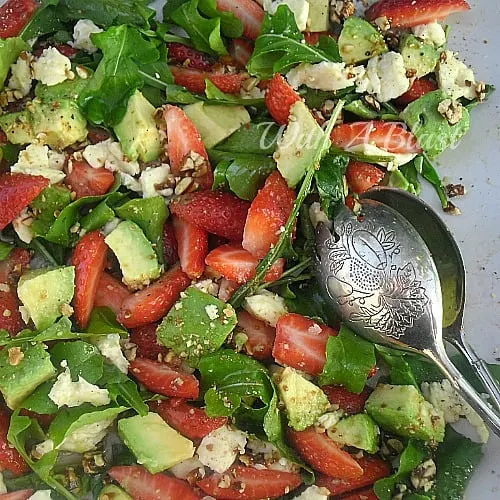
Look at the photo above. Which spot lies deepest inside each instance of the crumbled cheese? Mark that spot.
(69, 393)
(219, 449)
(85, 438)
(385, 77)
(41, 495)
(208, 286)
(317, 215)
(212, 311)
(314, 493)
(109, 154)
(454, 77)
(22, 226)
(184, 469)
(325, 75)
(20, 80)
(110, 226)
(422, 477)
(109, 346)
(432, 33)
(131, 183)
(300, 9)
(394, 160)
(52, 67)
(329, 419)
(153, 181)
(40, 160)
(3, 488)
(81, 35)
(266, 306)
(444, 397)
(43, 448)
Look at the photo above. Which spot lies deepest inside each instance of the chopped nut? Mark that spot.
(453, 190)
(422, 477)
(452, 209)
(383, 23)
(372, 102)
(481, 91)
(16, 355)
(451, 110)
(93, 462)
(66, 310)
(341, 9)
(183, 185)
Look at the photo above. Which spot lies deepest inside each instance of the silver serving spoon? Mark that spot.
(380, 277)
(451, 270)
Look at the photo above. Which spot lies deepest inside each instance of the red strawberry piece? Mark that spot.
(142, 485)
(14, 14)
(17, 495)
(191, 421)
(250, 13)
(260, 336)
(152, 303)
(408, 13)
(192, 246)
(170, 248)
(111, 293)
(312, 37)
(188, 56)
(216, 212)
(301, 343)
(319, 451)
(280, 97)
(259, 483)
(390, 136)
(268, 215)
(362, 176)
(240, 51)
(420, 87)
(226, 289)
(10, 459)
(17, 191)
(163, 379)
(85, 180)
(194, 80)
(144, 337)
(97, 134)
(348, 401)
(367, 494)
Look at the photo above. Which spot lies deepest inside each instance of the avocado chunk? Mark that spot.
(137, 132)
(418, 56)
(22, 370)
(10, 48)
(360, 41)
(45, 293)
(304, 401)
(216, 122)
(358, 430)
(319, 15)
(113, 492)
(135, 253)
(294, 151)
(401, 409)
(154, 443)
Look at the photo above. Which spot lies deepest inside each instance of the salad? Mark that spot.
(162, 335)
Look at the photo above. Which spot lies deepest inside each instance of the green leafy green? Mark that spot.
(47, 206)
(405, 177)
(39, 401)
(97, 217)
(330, 182)
(429, 173)
(281, 45)
(349, 360)
(401, 371)
(216, 96)
(5, 249)
(10, 48)
(84, 359)
(103, 322)
(359, 108)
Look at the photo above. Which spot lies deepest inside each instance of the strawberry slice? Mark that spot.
(408, 13)
(239, 265)
(280, 97)
(260, 336)
(152, 303)
(17, 495)
(194, 80)
(367, 494)
(265, 483)
(110, 293)
(267, 215)
(10, 459)
(191, 421)
(420, 87)
(374, 468)
(301, 343)
(216, 212)
(319, 451)
(85, 180)
(188, 57)
(348, 401)
(163, 379)
(241, 51)
(183, 140)
(250, 13)
(89, 259)
(390, 136)
(362, 176)
(170, 248)
(142, 485)
(193, 247)
(17, 191)
(144, 337)
(14, 15)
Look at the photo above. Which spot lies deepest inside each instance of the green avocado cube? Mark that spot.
(358, 430)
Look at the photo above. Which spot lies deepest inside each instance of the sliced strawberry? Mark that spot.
(301, 343)
(193, 247)
(390, 136)
(250, 13)
(152, 303)
(267, 215)
(319, 451)
(184, 139)
(111, 293)
(163, 379)
(170, 248)
(189, 57)
(216, 212)
(10, 459)
(227, 289)
(408, 13)
(17, 495)
(89, 259)
(362, 176)
(17, 191)
(420, 87)
(280, 97)
(258, 483)
(239, 265)
(144, 337)
(367, 494)
(14, 15)
(374, 468)
(240, 51)
(348, 401)
(260, 336)
(312, 37)
(189, 420)
(85, 180)
(142, 485)
(194, 80)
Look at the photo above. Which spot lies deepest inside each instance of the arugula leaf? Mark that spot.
(406, 177)
(281, 45)
(349, 360)
(429, 173)
(330, 182)
(97, 217)
(401, 372)
(45, 20)
(39, 402)
(213, 93)
(103, 322)
(84, 360)
(5, 249)
(231, 26)
(10, 48)
(46, 206)
(361, 109)
(306, 299)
